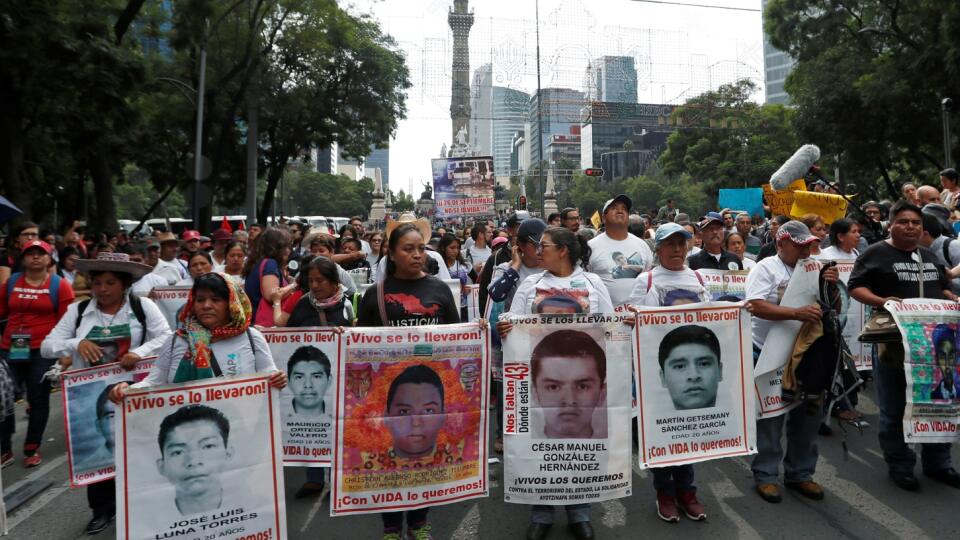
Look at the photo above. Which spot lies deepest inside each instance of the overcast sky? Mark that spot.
(679, 52)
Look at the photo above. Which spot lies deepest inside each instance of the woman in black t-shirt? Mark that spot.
(407, 297)
(410, 296)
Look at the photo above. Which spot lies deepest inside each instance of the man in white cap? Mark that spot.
(765, 286)
(617, 256)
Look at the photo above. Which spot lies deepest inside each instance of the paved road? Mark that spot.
(861, 503)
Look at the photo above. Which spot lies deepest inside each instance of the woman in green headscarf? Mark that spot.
(214, 338)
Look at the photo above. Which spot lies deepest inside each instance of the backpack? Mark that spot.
(135, 305)
(946, 252)
(54, 289)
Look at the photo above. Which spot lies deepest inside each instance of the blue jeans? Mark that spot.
(673, 480)
(800, 462)
(891, 384)
(576, 513)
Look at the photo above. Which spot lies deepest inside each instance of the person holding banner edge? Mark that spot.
(886, 271)
(407, 296)
(85, 329)
(563, 287)
(674, 485)
(765, 286)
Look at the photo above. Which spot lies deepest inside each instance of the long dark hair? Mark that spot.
(838, 227)
(394, 241)
(268, 245)
(578, 251)
(445, 242)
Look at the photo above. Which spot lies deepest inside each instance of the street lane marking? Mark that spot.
(726, 489)
(469, 527)
(36, 504)
(37, 473)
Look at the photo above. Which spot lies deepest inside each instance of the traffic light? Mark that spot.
(596, 171)
(522, 202)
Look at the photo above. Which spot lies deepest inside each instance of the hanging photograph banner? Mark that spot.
(170, 300)
(463, 186)
(725, 285)
(768, 372)
(88, 418)
(930, 329)
(411, 418)
(695, 379)
(473, 303)
(309, 357)
(566, 409)
(201, 460)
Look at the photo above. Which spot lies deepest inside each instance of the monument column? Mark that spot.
(460, 20)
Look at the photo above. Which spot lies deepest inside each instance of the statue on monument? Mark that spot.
(427, 191)
(462, 137)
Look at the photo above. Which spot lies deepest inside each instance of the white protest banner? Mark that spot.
(473, 303)
(695, 380)
(170, 300)
(930, 329)
(201, 460)
(566, 409)
(308, 356)
(88, 418)
(411, 418)
(725, 285)
(853, 321)
(801, 291)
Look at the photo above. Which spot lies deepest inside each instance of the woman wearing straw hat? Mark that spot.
(113, 326)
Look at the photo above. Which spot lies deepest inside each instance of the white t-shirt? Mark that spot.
(618, 263)
(144, 285)
(173, 271)
(767, 281)
(663, 287)
(477, 255)
(833, 253)
(580, 292)
(748, 263)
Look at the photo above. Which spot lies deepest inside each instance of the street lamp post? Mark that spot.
(539, 116)
(946, 105)
(197, 154)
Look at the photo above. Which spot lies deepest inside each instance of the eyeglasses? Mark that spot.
(541, 245)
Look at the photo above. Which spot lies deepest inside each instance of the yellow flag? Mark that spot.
(595, 219)
(829, 206)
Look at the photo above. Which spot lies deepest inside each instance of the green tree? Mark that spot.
(868, 83)
(724, 139)
(402, 202)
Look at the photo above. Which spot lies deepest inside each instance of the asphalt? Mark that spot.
(861, 502)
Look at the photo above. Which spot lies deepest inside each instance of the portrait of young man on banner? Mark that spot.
(569, 387)
(308, 356)
(89, 418)
(695, 381)
(566, 402)
(200, 459)
(412, 429)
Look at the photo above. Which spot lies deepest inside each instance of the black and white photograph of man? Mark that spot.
(690, 367)
(569, 373)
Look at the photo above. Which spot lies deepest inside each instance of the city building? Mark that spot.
(564, 148)
(561, 112)
(325, 159)
(380, 159)
(496, 114)
(613, 79)
(639, 129)
(776, 66)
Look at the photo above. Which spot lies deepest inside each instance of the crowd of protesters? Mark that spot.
(61, 294)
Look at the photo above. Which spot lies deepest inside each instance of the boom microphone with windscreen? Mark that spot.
(795, 167)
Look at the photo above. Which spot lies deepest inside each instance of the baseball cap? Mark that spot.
(37, 244)
(190, 235)
(531, 230)
(796, 232)
(514, 219)
(682, 219)
(710, 218)
(498, 241)
(153, 244)
(942, 214)
(619, 198)
(667, 230)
